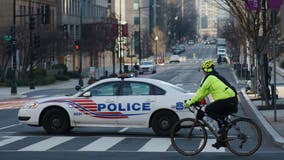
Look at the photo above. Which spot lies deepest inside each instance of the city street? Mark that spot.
(19, 141)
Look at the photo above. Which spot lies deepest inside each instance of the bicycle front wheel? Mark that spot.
(243, 137)
(187, 137)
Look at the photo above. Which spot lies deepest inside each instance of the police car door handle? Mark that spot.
(150, 100)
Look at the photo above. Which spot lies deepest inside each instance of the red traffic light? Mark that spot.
(76, 45)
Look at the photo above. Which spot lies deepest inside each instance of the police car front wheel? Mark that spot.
(55, 121)
(162, 122)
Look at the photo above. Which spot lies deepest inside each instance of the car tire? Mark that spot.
(56, 121)
(162, 122)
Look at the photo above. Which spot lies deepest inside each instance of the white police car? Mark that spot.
(113, 102)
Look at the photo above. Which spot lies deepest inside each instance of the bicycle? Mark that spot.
(240, 135)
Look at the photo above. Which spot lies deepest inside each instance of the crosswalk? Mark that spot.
(92, 143)
(13, 104)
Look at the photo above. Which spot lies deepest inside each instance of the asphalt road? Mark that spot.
(18, 142)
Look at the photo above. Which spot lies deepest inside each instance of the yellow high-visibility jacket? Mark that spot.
(214, 86)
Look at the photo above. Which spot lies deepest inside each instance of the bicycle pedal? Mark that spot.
(217, 146)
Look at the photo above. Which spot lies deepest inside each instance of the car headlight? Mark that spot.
(31, 105)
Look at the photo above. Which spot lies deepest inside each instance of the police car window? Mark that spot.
(106, 89)
(126, 89)
(140, 88)
(158, 91)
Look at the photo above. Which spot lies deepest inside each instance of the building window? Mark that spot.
(136, 20)
(136, 5)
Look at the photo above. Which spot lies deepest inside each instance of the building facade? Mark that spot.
(207, 18)
(72, 15)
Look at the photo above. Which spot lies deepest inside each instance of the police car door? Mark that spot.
(135, 103)
(104, 100)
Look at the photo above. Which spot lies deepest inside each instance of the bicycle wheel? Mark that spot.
(243, 137)
(188, 139)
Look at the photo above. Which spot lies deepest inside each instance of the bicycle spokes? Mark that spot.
(190, 138)
(244, 137)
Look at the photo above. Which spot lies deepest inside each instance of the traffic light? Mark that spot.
(76, 45)
(45, 14)
(32, 23)
(36, 41)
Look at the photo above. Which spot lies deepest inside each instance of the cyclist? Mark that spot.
(222, 92)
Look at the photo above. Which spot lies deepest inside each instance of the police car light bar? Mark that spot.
(123, 75)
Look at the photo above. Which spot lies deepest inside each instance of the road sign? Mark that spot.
(7, 37)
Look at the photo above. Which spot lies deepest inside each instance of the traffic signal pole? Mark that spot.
(13, 34)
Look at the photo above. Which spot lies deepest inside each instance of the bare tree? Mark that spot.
(257, 29)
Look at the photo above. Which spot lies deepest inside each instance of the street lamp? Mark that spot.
(156, 39)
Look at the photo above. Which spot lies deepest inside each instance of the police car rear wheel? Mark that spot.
(55, 121)
(162, 122)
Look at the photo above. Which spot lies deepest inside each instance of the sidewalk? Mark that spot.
(266, 117)
(5, 92)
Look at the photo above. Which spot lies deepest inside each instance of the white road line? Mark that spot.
(122, 130)
(10, 139)
(156, 145)
(102, 144)
(46, 144)
(209, 148)
(13, 125)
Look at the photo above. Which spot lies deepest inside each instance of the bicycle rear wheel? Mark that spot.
(188, 138)
(243, 137)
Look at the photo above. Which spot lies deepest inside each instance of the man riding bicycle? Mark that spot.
(222, 92)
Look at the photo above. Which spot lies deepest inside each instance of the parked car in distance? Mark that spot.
(147, 66)
(174, 59)
(191, 42)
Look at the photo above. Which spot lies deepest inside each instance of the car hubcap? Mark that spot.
(56, 122)
(164, 124)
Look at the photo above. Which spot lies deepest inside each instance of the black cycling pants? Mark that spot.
(217, 110)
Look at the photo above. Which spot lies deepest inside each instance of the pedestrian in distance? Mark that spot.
(136, 69)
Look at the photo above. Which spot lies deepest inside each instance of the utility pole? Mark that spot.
(81, 83)
(120, 39)
(139, 36)
(31, 27)
(13, 34)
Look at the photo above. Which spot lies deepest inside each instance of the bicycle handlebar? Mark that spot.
(196, 106)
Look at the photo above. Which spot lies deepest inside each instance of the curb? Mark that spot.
(268, 128)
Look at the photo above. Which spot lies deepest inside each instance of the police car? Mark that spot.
(113, 102)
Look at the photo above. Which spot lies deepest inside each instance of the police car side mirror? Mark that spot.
(77, 87)
(87, 94)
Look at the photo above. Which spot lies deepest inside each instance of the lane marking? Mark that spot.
(102, 144)
(10, 139)
(46, 144)
(10, 126)
(156, 145)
